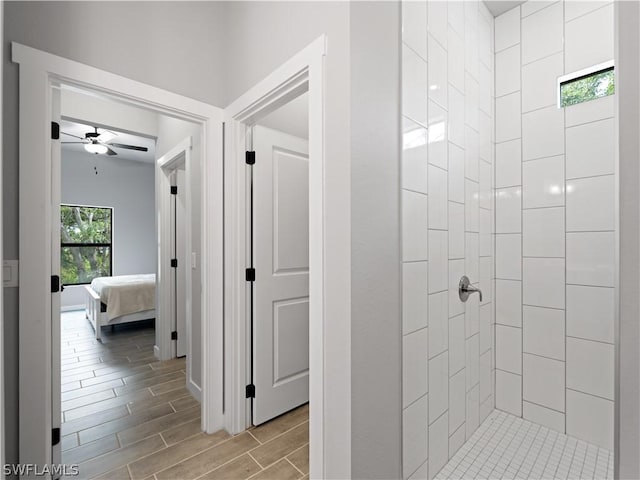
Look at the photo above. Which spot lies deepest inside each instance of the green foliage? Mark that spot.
(588, 88)
(85, 225)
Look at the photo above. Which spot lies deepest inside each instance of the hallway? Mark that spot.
(128, 416)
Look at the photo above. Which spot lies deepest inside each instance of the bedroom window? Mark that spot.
(86, 235)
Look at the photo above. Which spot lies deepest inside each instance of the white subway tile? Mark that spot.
(542, 33)
(486, 137)
(486, 408)
(507, 117)
(590, 367)
(414, 226)
(486, 274)
(486, 234)
(509, 349)
(414, 366)
(472, 420)
(471, 262)
(577, 8)
(471, 153)
(509, 302)
(422, 473)
(456, 117)
(471, 60)
(456, 271)
(543, 381)
(455, 54)
(486, 384)
(591, 149)
(543, 416)
(472, 361)
(438, 261)
(471, 315)
(543, 133)
(508, 71)
(486, 90)
(438, 445)
(509, 392)
(414, 156)
(457, 394)
(456, 173)
(543, 183)
(590, 312)
(508, 256)
(589, 39)
(485, 185)
(414, 26)
(507, 29)
(543, 282)
(438, 323)
(509, 163)
(414, 86)
(456, 15)
(591, 111)
(486, 328)
(439, 386)
(531, 7)
(456, 344)
(543, 232)
(471, 101)
(590, 418)
(438, 120)
(437, 73)
(509, 210)
(591, 259)
(543, 332)
(471, 207)
(437, 20)
(591, 204)
(414, 436)
(414, 296)
(456, 440)
(540, 82)
(456, 230)
(438, 215)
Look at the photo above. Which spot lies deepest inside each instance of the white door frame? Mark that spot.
(303, 72)
(39, 71)
(178, 157)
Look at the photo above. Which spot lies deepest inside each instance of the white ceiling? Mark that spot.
(498, 7)
(79, 130)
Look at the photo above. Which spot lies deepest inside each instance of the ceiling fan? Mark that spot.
(99, 143)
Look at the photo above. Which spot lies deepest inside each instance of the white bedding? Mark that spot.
(126, 294)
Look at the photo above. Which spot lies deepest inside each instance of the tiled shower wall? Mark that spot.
(447, 207)
(555, 219)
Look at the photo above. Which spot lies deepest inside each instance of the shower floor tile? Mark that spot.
(509, 447)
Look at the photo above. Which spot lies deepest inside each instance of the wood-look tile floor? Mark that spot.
(128, 416)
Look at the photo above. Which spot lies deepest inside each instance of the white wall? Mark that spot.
(128, 187)
(555, 222)
(447, 209)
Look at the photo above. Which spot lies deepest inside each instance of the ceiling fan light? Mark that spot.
(96, 148)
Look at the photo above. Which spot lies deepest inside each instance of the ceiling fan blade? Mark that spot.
(129, 147)
(74, 136)
(110, 152)
(106, 136)
(79, 143)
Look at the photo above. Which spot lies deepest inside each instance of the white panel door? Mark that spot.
(281, 262)
(184, 266)
(56, 180)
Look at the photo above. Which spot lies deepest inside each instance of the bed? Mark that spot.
(120, 299)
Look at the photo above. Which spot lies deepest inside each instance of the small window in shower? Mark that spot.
(585, 85)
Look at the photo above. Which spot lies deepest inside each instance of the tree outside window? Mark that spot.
(86, 235)
(590, 87)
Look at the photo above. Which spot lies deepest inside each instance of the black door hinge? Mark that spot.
(250, 158)
(174, 335)
(250, 274)
(55, 283)
(174, 189)
(250, 391)
(174, 263)
(55, 436)
(55, 131)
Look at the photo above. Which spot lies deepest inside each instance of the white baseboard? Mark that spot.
(72, 308)
(156, 351)
(195, 390)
